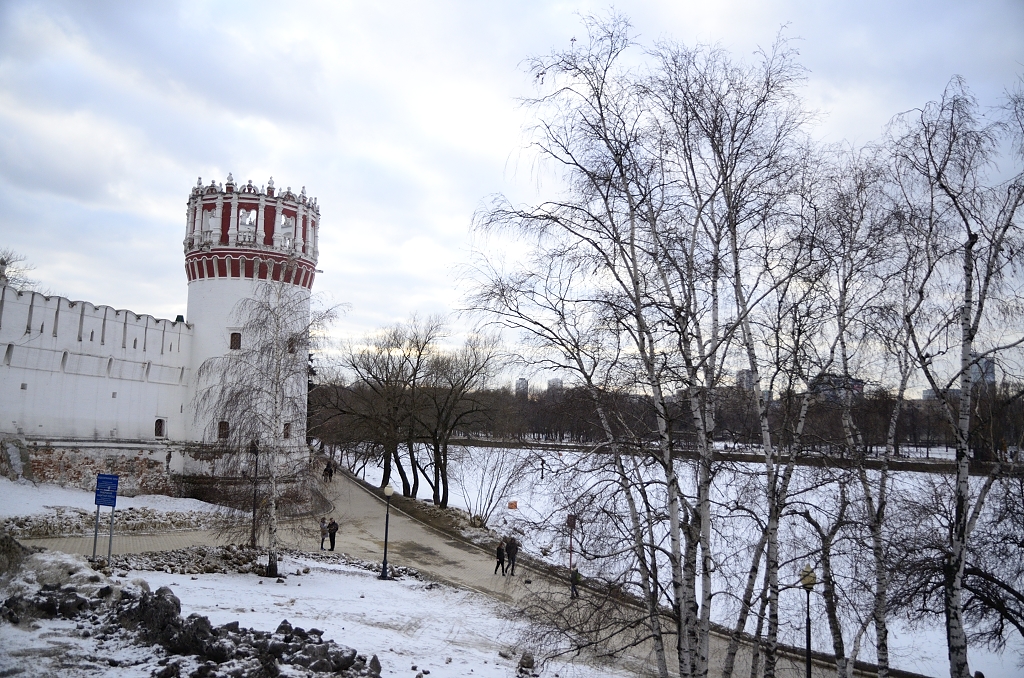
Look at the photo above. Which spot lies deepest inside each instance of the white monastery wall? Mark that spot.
(75, 370)
(87, 388)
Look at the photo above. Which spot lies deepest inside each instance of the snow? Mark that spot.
(920, 648)
(24, 498)
(405, 622)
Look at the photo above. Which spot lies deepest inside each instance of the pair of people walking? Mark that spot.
(507, 548)
(328, 530)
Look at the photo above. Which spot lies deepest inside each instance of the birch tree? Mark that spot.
(964, 222)
(254, 397)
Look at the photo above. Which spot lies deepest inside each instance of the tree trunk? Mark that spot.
(444, 475)
(745, 602)
(393, 452)
(272, 505)
(413, 466)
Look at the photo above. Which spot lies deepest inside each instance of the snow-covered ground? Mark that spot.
(535, 521)
(24, 498)
(444, 629)
(408, 622)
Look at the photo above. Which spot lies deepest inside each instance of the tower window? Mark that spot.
(158, 428)
(236, 341)
(92, 333)
(223, 430)
(135, 343)
(288, 430)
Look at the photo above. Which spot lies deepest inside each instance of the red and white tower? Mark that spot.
(234, 238)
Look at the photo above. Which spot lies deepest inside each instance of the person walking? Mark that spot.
(501, 558)
(511, 550)
(574, 580)
(332, 531)
(323, 532)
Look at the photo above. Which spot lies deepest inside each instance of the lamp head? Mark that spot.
(388, 490)
(807, 578)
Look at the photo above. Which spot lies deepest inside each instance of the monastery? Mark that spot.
(87, 389)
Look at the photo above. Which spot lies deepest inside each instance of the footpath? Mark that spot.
(360, 513)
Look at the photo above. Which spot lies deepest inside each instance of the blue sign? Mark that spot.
(106, 489)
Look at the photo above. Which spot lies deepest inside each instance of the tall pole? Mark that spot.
(96, 532)
(388, 491)
(808, 579)
(808, 625)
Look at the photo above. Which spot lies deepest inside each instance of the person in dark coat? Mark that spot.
(574, 580)
(511, 550)
(323, 532)
(332, 531)
(501, 558)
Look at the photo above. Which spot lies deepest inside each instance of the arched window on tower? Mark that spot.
(287, 430)
(158, 428)
(223, 430)
(236, 341)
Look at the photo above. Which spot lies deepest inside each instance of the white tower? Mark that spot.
(234, 238)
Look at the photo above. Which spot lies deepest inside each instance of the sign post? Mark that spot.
(570, 522)
(106, 495)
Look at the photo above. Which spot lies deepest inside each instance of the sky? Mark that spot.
(400, 117)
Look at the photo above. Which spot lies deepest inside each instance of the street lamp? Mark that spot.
(808, 579)
(388, 491)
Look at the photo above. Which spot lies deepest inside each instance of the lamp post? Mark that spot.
(808, 579)
(388, 491)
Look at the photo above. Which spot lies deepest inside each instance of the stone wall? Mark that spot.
(143, 469)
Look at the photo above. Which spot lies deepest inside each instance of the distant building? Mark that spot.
(983, 370)
(555, 385)
(522, 387)
(745, 380)
(947, 394)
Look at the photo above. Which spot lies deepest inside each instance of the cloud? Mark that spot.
(400, 117)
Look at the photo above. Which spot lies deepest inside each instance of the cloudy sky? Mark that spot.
(401, 117)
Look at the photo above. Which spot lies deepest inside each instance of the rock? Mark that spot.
(374, 667)
(526, 661)
(284, 628)
(504, 655)
(104, 591)
(342, 658)
(321, 666)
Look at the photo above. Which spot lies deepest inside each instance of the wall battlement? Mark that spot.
(77, 369)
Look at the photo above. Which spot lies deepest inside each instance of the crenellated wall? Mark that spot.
(71, 369)
(87, 389)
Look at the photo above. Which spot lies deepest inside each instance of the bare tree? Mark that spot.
(965, 228)
(381, 399)
(14, 271)
(449, 399)
(253, 399)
